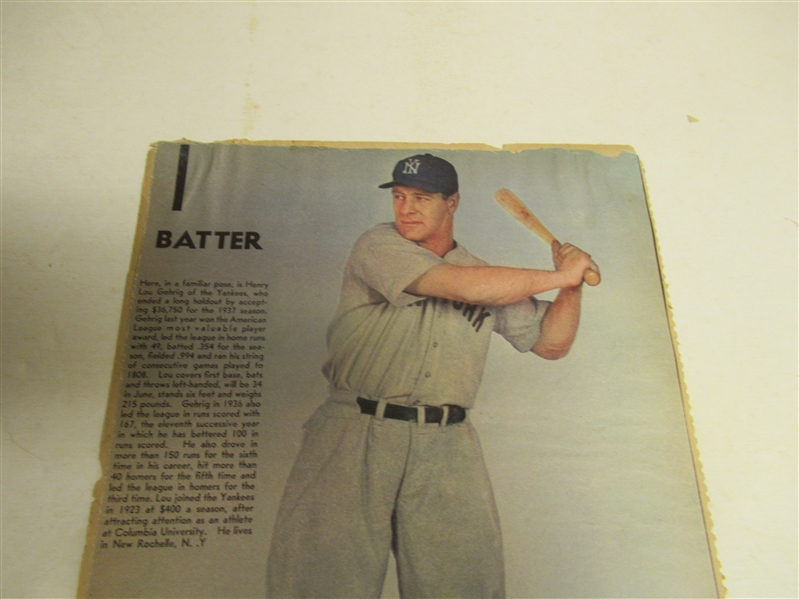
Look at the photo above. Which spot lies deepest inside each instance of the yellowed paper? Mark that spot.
(235, 276)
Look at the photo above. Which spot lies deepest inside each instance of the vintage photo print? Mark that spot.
(397, 370)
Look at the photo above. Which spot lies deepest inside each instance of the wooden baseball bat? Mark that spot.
(508, 200)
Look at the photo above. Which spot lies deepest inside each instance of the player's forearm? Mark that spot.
(559, 326)
(486, 285)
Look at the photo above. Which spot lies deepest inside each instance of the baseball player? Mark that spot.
(391, 462)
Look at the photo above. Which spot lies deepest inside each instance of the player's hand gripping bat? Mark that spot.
(508, 200)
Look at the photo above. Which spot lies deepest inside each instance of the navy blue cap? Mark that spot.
(426, 172)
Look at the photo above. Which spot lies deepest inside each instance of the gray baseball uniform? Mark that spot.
(365, 484)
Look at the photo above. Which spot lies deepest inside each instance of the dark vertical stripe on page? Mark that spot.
(180, 182)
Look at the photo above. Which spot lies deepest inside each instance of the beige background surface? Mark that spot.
(87, 86)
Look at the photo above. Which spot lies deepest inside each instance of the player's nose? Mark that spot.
(408, 207)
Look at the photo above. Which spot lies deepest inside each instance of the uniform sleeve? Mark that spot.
(520, 323)
(387, 262)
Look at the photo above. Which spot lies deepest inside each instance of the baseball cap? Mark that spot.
(426, 172)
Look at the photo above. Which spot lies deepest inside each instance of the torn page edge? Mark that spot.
(609, 150)
(109, 424)
(721, 590)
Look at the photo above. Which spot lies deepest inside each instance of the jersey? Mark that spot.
(385, 343)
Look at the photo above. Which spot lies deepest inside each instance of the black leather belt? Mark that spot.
(432, 414)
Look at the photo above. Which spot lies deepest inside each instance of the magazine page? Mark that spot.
(304, 401)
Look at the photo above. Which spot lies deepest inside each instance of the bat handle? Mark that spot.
(591, 277)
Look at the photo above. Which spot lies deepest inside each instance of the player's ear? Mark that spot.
(453, 201)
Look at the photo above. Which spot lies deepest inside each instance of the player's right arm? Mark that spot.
(499, 285)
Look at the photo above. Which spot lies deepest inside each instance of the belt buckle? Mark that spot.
(438, 415)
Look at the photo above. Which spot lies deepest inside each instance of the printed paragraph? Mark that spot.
(183, 467)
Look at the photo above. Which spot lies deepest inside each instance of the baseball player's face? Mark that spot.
(422, 216)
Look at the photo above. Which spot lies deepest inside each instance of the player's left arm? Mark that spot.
(559, 325)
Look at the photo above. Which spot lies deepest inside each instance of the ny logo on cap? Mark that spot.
(411, 166)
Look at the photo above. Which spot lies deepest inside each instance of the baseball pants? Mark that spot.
(364, 485)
